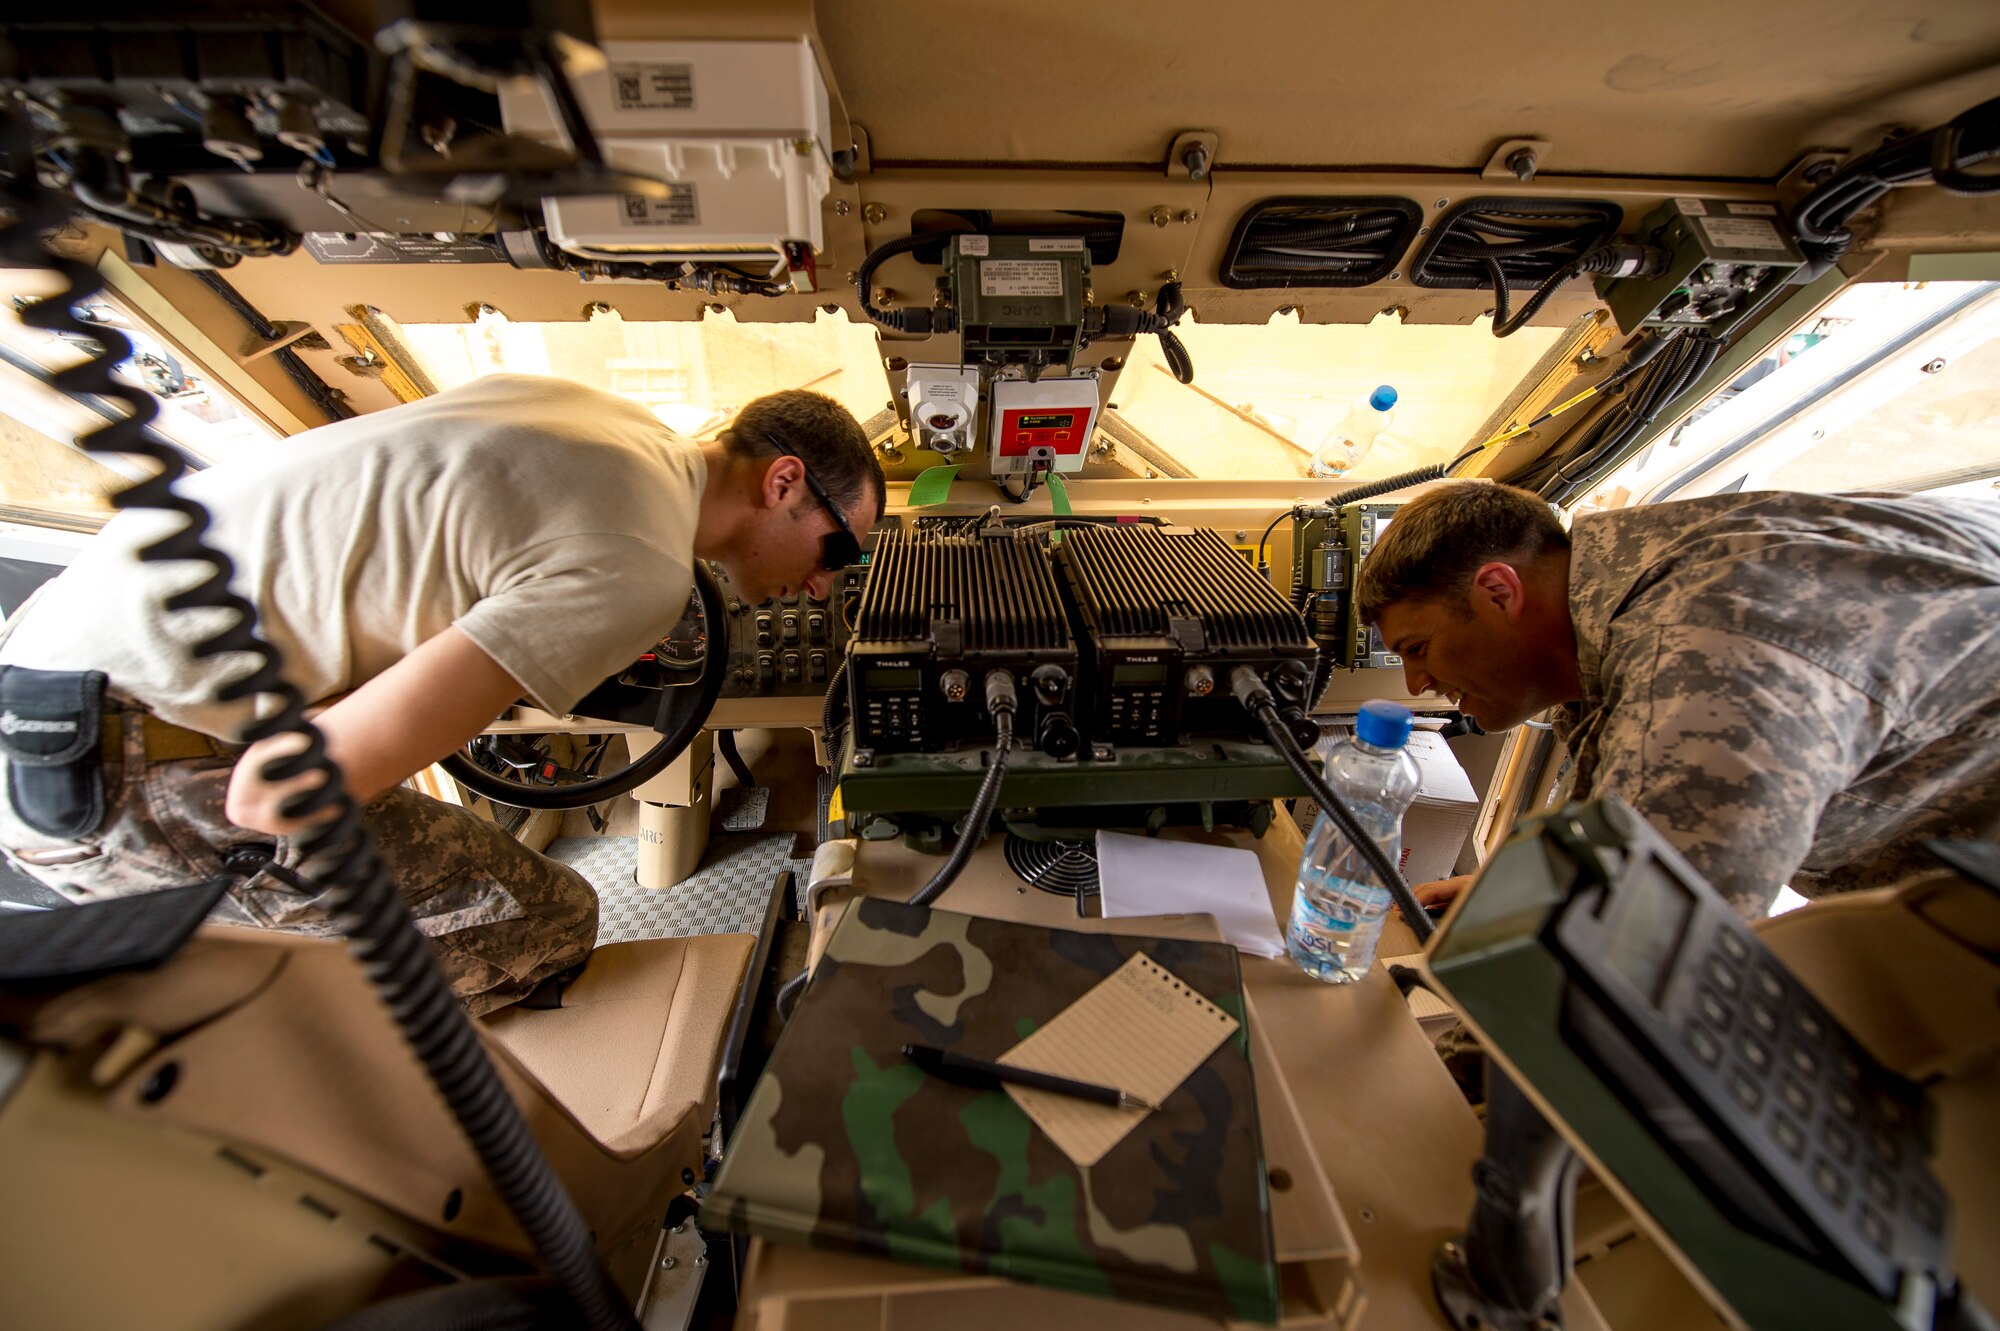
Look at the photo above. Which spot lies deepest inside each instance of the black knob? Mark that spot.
(1058, 737)
(1305, 730)
(1051, 684)
(1290, 680)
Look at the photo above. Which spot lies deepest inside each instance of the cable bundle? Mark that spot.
(1306, 242)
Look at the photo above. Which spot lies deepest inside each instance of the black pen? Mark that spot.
(968, 1071)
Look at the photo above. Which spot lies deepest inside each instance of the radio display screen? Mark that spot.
(1045, 420)
(892, 679)
(1144, 672)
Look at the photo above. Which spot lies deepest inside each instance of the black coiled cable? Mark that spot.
(364, 904)
(976, 822)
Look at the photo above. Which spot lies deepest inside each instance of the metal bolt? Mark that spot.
(1395, 277)
(701, 1259)
(1242, 535)
(1162, 216)
(803, 147)
(1820, 170)
(1522, 163)
(1171, 275)
(873, 214)
(1187, 217)
(1423, 231)
(1587, 358)
(885, 296)
(1933, 366)
(667, 1263)
(842, 208)
(1195, 159)
(1441, 203)
(595, 308)
(1136, 299)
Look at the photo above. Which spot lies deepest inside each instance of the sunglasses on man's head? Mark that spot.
(840, 547)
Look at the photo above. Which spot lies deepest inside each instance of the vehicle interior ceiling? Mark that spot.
(1154, 131)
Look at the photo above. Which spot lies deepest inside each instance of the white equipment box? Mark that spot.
(741, 130)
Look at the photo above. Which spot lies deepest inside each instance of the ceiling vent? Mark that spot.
(1319, 242)
(1518, 242)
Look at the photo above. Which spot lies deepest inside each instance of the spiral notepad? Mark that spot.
(1140, 1030)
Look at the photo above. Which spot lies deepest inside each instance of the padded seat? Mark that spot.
(279, 1043)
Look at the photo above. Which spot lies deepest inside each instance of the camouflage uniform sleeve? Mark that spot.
(1732, 747)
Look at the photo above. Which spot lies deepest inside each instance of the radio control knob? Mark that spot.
(1058, 737)
(1200, 681)
(1290, 680)
(1051, 684)
(955, 683)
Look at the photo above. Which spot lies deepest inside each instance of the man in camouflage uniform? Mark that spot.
(421, 569)
(1795, 689)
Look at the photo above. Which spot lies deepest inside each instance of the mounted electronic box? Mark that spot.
(1023, 311)
(739, 133)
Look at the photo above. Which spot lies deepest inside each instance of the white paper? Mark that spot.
(1444, 780)
(1147, 876)
(1140, 1030)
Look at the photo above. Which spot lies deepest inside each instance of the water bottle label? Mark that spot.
(1334, 924)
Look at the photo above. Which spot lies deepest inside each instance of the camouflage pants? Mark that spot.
(500, 917)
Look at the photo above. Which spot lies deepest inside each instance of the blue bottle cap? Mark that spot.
(1382, 398)
(1384, 724)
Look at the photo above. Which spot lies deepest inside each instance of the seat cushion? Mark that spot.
(636, 1044)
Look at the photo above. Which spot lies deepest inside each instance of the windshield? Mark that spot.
(693, 375)
(1266, 399)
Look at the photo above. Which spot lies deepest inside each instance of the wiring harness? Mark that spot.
(1306, 242)
(364, 903)
(1661, 369)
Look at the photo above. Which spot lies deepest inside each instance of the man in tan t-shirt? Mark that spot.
(421, 569)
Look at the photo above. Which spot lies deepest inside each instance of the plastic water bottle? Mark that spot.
(1340, 904)
(1349, 441)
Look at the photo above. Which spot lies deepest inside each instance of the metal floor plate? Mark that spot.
(726, 895)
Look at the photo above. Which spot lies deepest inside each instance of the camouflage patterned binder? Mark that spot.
(845, 1144)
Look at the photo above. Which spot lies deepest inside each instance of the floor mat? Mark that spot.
(727, 895)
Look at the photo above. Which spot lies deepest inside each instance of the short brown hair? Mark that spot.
(823, 433)
(1438, 540)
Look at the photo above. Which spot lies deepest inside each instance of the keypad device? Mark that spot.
(1830, 1143)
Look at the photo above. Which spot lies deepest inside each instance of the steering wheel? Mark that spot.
(672, 692)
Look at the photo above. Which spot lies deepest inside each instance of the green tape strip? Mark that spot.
(933, 485)
(1058, 495)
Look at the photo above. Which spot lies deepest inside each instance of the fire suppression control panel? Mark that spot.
(1042, 426)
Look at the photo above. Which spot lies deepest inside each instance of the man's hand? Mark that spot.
(1443, 891)
(398, 723)
(254, 803)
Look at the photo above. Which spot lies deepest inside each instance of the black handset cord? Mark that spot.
(365, 904)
